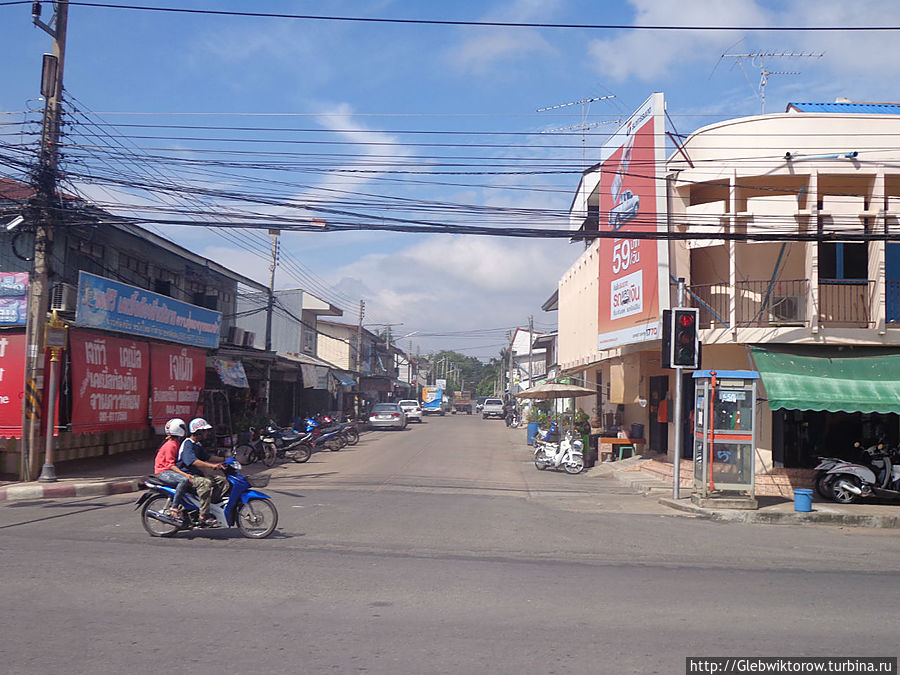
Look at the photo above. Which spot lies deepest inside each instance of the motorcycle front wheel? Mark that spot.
(300, 454)
(352, 435)
(539, 463)
(257, 518)
(270, 454)
(154, 527)
(243, 453)
(574, 465)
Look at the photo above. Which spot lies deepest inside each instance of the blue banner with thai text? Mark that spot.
(110, 305)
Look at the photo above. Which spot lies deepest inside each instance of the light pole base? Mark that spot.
(48, 474)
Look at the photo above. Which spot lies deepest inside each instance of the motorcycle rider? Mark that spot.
(192, 458)
(510, 410)
(164, 465)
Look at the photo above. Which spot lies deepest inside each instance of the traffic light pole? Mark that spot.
(676, 461)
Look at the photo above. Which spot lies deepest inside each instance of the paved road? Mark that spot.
(439, 549)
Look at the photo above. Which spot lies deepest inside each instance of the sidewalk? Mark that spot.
(772, 510)
(93, 477)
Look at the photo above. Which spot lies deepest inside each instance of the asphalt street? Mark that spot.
(439, 549)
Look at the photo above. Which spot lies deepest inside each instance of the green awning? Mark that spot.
(856, 380)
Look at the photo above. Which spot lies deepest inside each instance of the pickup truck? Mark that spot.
(493, 407)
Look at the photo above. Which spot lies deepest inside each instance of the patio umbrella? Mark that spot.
(551, 390)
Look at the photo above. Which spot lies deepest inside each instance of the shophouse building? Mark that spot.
(783, 227)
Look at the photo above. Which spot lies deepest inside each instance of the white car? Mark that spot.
(412, 409)
(625, 210)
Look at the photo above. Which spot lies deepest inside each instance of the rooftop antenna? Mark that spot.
(757, 59)
(585, 125)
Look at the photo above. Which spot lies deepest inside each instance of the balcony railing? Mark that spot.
(843, 303)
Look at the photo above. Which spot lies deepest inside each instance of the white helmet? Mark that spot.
(176, 427)
(199, 424)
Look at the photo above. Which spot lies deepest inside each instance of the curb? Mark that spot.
(782, 517)
(67, 490)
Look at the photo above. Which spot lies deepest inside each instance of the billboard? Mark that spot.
(13, 298)
(12, 383)
(110, 305)
(177, 375)
(631, 195)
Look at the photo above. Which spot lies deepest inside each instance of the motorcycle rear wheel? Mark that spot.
(352, 435)
(839, 494)
(574, 466)
(300, 454)
(823, 485)
(154, 527)
(257, 518)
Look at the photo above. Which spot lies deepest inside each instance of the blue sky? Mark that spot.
(352, 95)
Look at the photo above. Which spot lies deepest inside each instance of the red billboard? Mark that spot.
(633, 272)
(177, 375)
(110, 378)
(12, 383)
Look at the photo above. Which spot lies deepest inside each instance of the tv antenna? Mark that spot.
(758, 60)
(585, 125)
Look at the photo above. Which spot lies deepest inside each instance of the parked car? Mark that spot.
(387, 416)
(412, 409)
(493, 407)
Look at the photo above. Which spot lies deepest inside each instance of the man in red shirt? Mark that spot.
(164, 465)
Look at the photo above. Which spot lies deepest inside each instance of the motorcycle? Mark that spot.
(250, 510)
(285, 443)
(321, 432)
(253, 450)
(512, 419)
(848, 482)
(568, 453)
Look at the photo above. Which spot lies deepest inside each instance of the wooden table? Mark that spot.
(608, 449)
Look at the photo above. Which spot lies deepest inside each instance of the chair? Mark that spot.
(623, 448)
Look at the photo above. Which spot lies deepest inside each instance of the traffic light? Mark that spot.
(685, 341)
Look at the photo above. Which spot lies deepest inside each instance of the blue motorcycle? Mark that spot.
(251, 510)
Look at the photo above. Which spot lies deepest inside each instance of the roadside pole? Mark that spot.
(44, 211)
(270, 307)
(676, 461)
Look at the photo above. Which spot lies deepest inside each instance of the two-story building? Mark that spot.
(783, 227)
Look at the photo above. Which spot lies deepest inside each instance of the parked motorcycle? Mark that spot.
(512, 419)
(285, 443)
(848, 482)
(568, 454)
(254, 450)
(322, 432)
(250, 510)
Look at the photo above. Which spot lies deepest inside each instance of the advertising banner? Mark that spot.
(633, 274)
(232, 373)
(12, 383)
(176, 378)
(13, 299)
(110, 305)
(110, 378)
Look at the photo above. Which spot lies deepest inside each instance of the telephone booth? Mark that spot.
(724, 432)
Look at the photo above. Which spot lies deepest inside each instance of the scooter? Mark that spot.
(569, 454)
(251, 510)
(848, 482)
(512, 419)
(281, 443)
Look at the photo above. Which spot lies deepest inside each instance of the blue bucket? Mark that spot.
(532, 430)
(803, 500)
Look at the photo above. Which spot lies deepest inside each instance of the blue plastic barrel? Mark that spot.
(532, 430)
(803, 500)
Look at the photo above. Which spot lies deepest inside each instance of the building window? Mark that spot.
(162, 286)
(840, 260)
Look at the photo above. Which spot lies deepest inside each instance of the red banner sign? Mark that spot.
(176, 376)
(110, 378)
(12, 383)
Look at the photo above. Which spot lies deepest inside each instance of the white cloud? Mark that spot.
(647, 55)
(485, 47)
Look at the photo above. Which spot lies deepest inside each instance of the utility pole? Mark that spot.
(530, 340)
(44, 181)
(270, 307)
(359, 327)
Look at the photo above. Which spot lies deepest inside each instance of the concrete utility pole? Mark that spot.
(44, 181)
(270, 307)
(530, 340)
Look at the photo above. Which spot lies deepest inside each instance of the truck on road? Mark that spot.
(493, 407)
(433, 402)
(462, 402)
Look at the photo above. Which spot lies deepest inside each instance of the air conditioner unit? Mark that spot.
(236, 335)
(63, 297)
(787, 309)
(249, 338)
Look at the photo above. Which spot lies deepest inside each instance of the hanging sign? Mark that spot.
(109, 382)
(176, 378)
(13, 298)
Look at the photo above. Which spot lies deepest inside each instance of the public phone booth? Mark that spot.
(724, 432)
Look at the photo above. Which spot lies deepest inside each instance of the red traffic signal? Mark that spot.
(685, 340)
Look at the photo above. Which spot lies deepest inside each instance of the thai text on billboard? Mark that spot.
(12, 383)
(177, 375)
(633, 272)
(110, 305)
